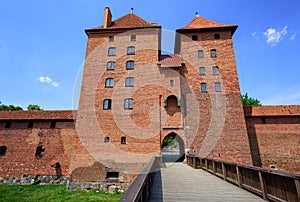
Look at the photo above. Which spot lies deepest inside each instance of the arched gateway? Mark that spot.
(172, 148)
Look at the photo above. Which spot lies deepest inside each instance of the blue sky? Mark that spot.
(42, 44)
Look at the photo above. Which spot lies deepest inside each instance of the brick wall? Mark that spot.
(274, 136)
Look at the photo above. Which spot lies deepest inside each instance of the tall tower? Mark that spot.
(210, 69)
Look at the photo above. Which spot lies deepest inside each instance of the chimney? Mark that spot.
(107, 17)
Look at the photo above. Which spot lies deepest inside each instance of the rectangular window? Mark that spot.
(123, 140)
(133, 37)
(109, 83)
(129, 82)
(217, 36)
(110, 65)
(217, 86)
(203, 87)
(200, 54)
(171, 83)
(202, 70)
(106, 139)
(195, 38)
(107, 104)
(112, 175)
(30, 124)
(112, 51)
(111, 39)
(215, 70)
(128, 103)
(213, 53)
(53, 124)
(131, 50)
(129, 65)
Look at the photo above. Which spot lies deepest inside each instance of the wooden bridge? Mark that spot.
(211, 180)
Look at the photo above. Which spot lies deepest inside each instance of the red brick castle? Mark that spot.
(133, 97)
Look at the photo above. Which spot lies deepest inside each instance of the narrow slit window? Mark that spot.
(107, 104)
(3, 150)
(203, 87)
(123, 140)
(39, 152)
(171, 82)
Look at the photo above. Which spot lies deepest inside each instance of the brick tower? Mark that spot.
(210, 71)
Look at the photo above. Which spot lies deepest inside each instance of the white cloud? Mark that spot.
(293, 36)
(254, 33)
(46, 79)
(273, 36)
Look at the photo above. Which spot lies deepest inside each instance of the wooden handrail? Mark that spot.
(140, 189)
(271, 185)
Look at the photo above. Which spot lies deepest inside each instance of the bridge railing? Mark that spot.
(140, 189)
(269, 184)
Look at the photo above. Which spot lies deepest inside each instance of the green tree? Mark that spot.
(34, 107)
(4, 107)
(249, 101)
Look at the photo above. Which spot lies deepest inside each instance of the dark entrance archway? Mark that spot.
(172, 148)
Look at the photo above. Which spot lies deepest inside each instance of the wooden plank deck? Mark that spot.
(180, 182)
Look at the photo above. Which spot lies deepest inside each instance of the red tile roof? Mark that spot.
(128, 21)
(203, 23)
(170, 61)
(279, 110)
(38, 115)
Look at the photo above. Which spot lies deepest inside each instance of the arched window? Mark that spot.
(203, 87)
(130, 65)
(213, 53)
(129, 82)
(110, 65)
(130, 50)
(215, 70)
(39, 152)
(109, 83)
(217, 86)
(128, 103)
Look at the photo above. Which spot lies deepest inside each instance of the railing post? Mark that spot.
(263, 185)
(200, 163)
(194, 162)
(239, 176)
(297, 184)
(224, 171)
(214, 167)
(206, 165)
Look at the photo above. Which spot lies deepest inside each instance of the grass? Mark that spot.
(41, 193)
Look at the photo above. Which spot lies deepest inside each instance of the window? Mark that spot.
(128, 103)
(110, 65)
(213, 53)
(133, 37)
(130, 50)
(202, 70)
(203, 87)
(109, 83)
(106, 139)
(7, 124)
(111, 39)
(123, 140)
(195, 38)
(129, 82)
(3, 150)
(53, 124)
(130, 65)
(263, 120)
(107, 104)
(111, 51)
(171, 83)
(200, 54)
(112, 175)
(30, 124)
(217, 86)
(217, 36)
(215, 70)
(39, 152)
